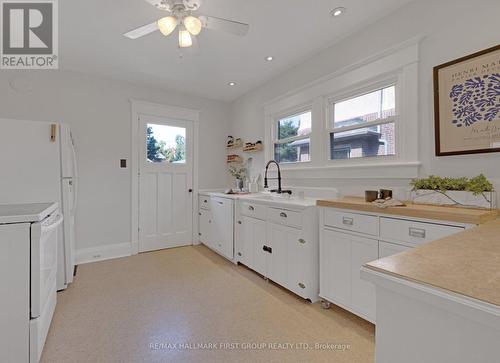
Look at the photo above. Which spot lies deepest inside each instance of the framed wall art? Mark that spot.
(467, 104)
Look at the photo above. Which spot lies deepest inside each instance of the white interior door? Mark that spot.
(165, 183)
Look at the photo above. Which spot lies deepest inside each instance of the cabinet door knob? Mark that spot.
(283, 214)
(199, 213)
(301, 285)
(301, 240)
(251, 207)
(239, 222)
(205, 201)
(239, 254)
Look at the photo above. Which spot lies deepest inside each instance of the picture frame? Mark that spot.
(467, 104)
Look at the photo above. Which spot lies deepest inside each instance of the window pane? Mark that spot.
(372, 106)
(363, 142)
(292, 152)
(294, 125)
(165, 144)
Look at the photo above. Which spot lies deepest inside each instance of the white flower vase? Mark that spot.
(485, 200)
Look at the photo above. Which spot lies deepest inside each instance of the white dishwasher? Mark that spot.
(28, 274)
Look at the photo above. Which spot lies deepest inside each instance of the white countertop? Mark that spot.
(25, 213)
(268, 199)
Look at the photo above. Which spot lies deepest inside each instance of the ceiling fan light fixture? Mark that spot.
(167, 25)
(185, 40)
(192, 24)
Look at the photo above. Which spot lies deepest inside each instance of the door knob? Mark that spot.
(190, 190)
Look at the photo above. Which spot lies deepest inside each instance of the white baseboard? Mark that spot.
(101, 253)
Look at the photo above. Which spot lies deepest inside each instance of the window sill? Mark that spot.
(380, 170)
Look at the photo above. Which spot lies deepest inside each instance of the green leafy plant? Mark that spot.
(476, 185)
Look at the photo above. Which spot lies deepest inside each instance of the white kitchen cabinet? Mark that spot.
(335, 267)
(283, 247)
(363, 250)
(302, 277)
(205, 227)
(222, 225)
(342, 255)
(279, 241)
(253, 239)
(349, 239)
(386, 249)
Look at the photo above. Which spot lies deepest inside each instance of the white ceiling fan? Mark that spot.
(183, 14)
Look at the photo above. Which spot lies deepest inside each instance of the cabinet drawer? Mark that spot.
(204, 202)
(351, 221)
(253, 210)
(414, 232)
(286, 217)
(388, 249)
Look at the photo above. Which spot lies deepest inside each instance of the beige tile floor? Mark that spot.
(185, 299)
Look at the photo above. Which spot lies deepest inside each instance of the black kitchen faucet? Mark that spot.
(279, 190)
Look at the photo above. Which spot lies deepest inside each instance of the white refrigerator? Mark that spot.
(38, 165)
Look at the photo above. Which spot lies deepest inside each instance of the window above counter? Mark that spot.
(363, 119)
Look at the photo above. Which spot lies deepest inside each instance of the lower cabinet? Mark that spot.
(205, 229)
(386, 249)
(284, 254)
(341, 258)
(253, 239)
(222, 226)
(350, 239)
(216, 225)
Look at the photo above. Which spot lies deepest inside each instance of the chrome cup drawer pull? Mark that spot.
(348, 221)
(283, 214)
(416, 232)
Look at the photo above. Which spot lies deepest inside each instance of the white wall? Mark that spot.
(451, 29)
(99, 113)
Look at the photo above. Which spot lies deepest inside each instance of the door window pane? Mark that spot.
(371, 106)
(165, 144)
(292, 152)
(296, 125)
(363, 142)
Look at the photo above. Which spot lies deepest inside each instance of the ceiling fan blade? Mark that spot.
(142, 31)
(228, 26)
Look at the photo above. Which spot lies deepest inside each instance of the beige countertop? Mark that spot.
(467, 263)
(451, 214)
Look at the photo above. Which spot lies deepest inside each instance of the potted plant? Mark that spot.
(240, 174)
(474, 192)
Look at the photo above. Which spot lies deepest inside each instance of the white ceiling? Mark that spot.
(91, 41)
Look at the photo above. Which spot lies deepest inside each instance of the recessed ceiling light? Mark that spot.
(337, 11)
(269, 58)
(232, 84)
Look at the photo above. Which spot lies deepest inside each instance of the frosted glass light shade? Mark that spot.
(167, 25)
(185, 40)
(192, 24)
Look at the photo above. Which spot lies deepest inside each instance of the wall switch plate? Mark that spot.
(123, 163)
